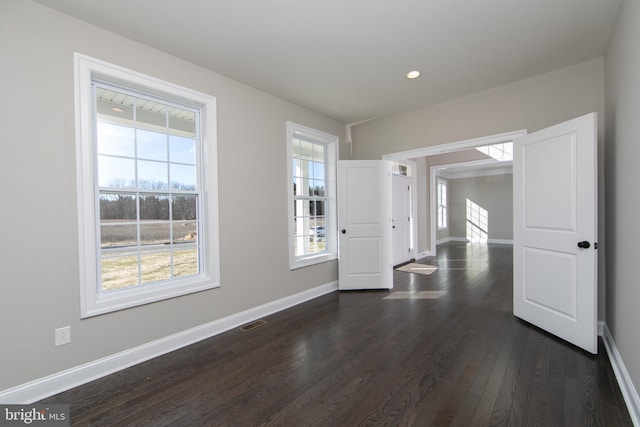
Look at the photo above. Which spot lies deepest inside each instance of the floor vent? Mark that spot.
(253, 325)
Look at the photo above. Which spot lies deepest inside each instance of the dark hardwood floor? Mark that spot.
(455, 357)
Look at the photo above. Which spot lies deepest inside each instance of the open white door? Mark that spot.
(555, 230)
(364, 224)
(401, 219)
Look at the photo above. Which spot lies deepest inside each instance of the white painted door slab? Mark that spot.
(401, 219)
(555, 230)
(364, 224)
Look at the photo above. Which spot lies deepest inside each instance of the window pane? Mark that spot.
(182, 149)
(318, 153)
(318, 188)
(117, 207)
(151, 114)
(318, 171)
(302, 169)
(185, 207)
(183, 121)
(154, 207)
(118, 235)
(154, 234)
(155, 266)
(151, 145)
(118, 270)
(152, 175)
(185, 262)
(185, 233)
(306, 150)
(115, 139)
(183, 177)
(116, 172)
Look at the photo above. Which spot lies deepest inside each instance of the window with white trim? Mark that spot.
(442, 215)
(311, 186)
(147, 205)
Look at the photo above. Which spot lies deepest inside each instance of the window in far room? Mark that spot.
(312, 195)
(441, 214)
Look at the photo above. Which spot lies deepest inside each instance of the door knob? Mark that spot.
(344, 231)
(584, 245)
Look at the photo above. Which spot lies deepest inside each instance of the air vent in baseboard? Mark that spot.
(253, 325)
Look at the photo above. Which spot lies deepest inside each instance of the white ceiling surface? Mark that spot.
(347, 59)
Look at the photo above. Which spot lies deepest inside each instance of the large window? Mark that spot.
(148, 211)
(311, 191)
(442, 214)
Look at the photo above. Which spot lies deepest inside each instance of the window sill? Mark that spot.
(311, 260)
(140, 295)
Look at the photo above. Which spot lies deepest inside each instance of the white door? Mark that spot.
(401, 219)
(555, 230)
(364, 224)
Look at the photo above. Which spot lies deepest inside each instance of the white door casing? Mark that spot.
(364, 224)
(555, 210)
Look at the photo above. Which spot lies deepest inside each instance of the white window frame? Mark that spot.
(93, 300)
(442, 219)
(331, 147)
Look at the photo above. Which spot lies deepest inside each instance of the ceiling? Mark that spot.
(347, 59)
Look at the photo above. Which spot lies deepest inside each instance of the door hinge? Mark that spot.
(595, 245)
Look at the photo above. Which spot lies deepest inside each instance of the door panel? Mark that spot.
(364, 224)
(401, 225)
(555, 208)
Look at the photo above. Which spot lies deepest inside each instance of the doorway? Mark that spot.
(425, 220)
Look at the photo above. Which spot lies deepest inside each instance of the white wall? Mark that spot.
(622, 71)
(40, 289)
(531, 104)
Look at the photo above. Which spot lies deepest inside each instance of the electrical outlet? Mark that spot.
(63, 335)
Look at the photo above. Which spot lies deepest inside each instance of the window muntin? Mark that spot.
(442, 204)
(147, 188)
(311, 194)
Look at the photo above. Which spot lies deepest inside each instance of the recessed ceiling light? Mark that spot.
(413, 74)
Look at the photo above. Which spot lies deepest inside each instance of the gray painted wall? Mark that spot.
(40, 289)
(424, 231)
(622, 71)
(532, 104)
(492, 193)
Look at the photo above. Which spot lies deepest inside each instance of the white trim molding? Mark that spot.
(43, 387)
(629, 392)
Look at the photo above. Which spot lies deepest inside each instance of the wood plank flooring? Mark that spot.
(453, 358)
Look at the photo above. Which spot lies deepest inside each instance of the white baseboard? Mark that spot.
(501, 241)
(464, 239)
(451, 239)
(43, 387)
(629, 392)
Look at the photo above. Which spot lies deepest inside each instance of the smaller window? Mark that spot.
(442, 204)
(312, 195)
